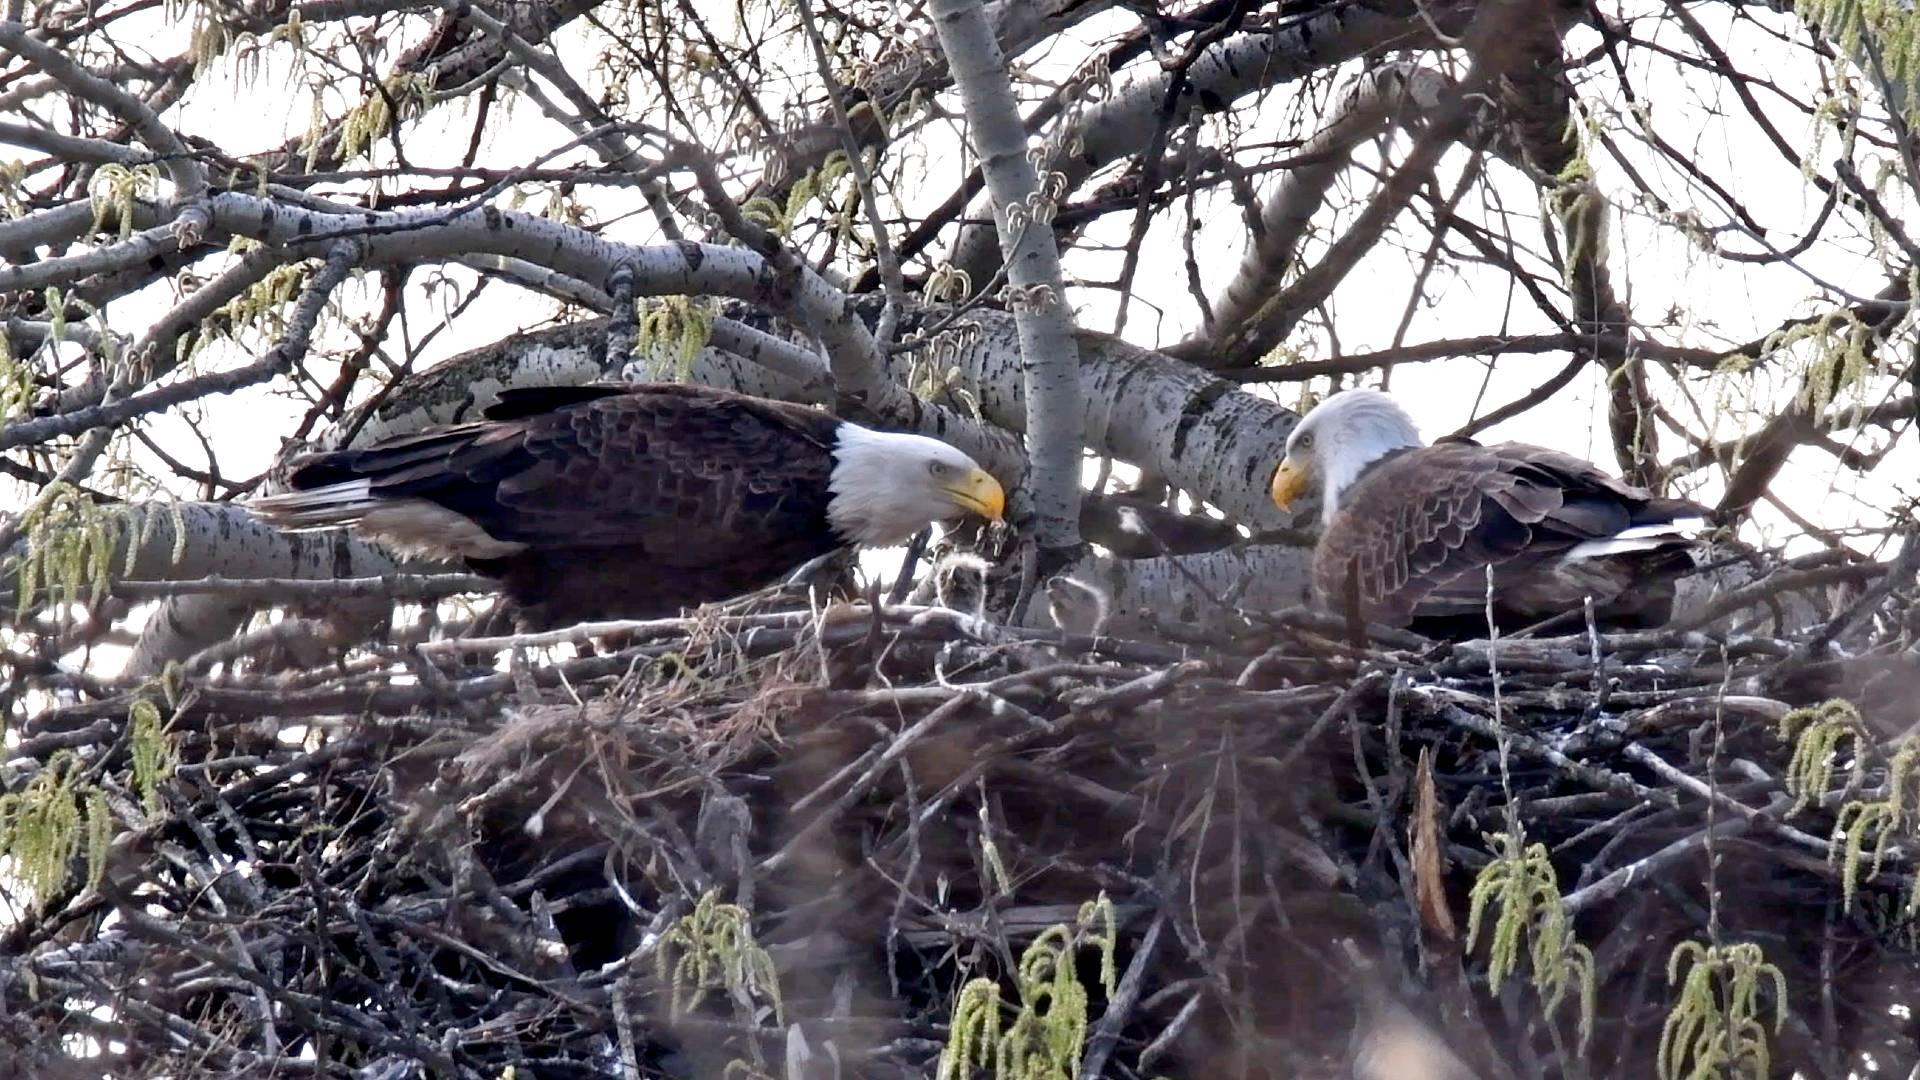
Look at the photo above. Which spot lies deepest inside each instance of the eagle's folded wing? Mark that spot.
(1418, 535)
(669, 474)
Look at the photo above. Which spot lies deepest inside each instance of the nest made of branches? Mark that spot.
(900, 841)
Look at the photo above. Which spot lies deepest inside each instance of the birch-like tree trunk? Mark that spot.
(1023, 209)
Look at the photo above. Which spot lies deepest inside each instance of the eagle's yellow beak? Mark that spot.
(979, 493)
(1289, 483)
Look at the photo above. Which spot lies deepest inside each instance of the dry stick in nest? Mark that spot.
(903, 581)
(765, 635)
(1773, 585)
(1764, 819)
(289, 590)
(1648, 866)
(896, 746)
(1339, 706)
(1592, 776)
(1127, 695)
(987, 755)
(316, 1013)
(925, 622)
(1141, 683)
(1334, 628)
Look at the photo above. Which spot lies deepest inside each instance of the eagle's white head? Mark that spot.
(1337, 441)
(889, 485)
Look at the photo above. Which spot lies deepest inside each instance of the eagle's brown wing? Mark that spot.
(1417, 532)
(519, 402)
(679, 475)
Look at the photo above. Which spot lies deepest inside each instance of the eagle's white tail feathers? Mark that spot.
(412, 525)
(1640, 538)
(319, 508)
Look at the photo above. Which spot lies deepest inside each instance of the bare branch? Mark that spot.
(188, 175)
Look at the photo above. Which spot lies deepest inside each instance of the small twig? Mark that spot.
(903, 581)
(292, 348)
(1120, 1007)
(1648, 867)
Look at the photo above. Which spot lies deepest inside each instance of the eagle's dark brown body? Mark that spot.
(624, 502)
(1417, 531)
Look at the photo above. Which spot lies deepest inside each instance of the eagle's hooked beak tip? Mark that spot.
(1289, 483)
(979, 493)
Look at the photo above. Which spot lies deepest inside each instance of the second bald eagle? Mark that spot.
(1409, 530)
(634, 501)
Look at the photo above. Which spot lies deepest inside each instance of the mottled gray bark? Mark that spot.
(1146, 594)
(195, 540)
(1022, 211)
(1018, 25)
(223, 539)
(1203, 435)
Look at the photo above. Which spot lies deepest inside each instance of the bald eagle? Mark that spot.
(1408, 530)
(635, 500)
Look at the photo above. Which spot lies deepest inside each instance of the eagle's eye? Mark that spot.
(937, 468)
(1305, 441)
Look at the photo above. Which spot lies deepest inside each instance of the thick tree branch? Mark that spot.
(1050, 361)
(1195, 431)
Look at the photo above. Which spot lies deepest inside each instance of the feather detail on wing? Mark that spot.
(669, 473)
(1418, 531)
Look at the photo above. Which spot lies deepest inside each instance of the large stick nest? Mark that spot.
(782, 843)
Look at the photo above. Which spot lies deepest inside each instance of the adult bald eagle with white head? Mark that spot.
(1408, 530)
(636, 500)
